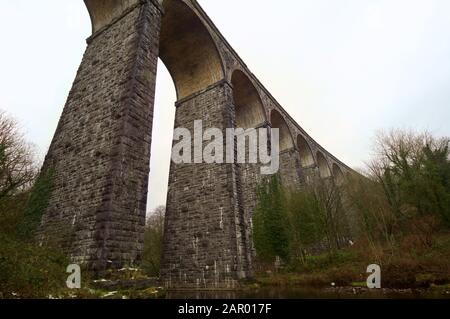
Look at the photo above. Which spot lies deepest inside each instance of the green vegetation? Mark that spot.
(396, 215)
(33, 264)
(270, 229)
(288, 225)
(27, 269)
(153, 240)
(37, 203)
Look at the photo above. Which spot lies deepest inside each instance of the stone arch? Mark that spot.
(188, 50)
(324, 167)
(103, 12)
(338, 175)
(306, 155)
(277, 121)
(249, 108)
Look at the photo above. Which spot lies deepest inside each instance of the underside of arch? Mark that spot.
(324, 168)
(103, 12)
(186, 46)
(338, 175)
(277, 121)
(249, 108)
(306, 155)
(188, 50)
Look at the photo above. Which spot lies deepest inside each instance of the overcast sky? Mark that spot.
(343, 69)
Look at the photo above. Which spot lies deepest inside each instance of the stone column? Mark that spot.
(251, 178)
(100, 153)
(205, 243)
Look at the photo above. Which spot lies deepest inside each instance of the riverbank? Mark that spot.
(408, 270)
(413, 272)
(268, 292)
(277, 289)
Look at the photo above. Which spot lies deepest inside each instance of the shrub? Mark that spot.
(30, 271)
(153, 240)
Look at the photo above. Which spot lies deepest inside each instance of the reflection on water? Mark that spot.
(300, 293)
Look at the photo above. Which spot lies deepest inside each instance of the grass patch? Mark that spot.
(362, 284)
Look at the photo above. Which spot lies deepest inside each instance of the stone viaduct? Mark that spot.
(100, 153)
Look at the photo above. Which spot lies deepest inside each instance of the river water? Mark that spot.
(307, 293)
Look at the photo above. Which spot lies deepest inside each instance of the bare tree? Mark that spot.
(18, 167)
(331, 213)
(413, 171)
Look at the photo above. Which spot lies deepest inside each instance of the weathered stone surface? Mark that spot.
(204, 244)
